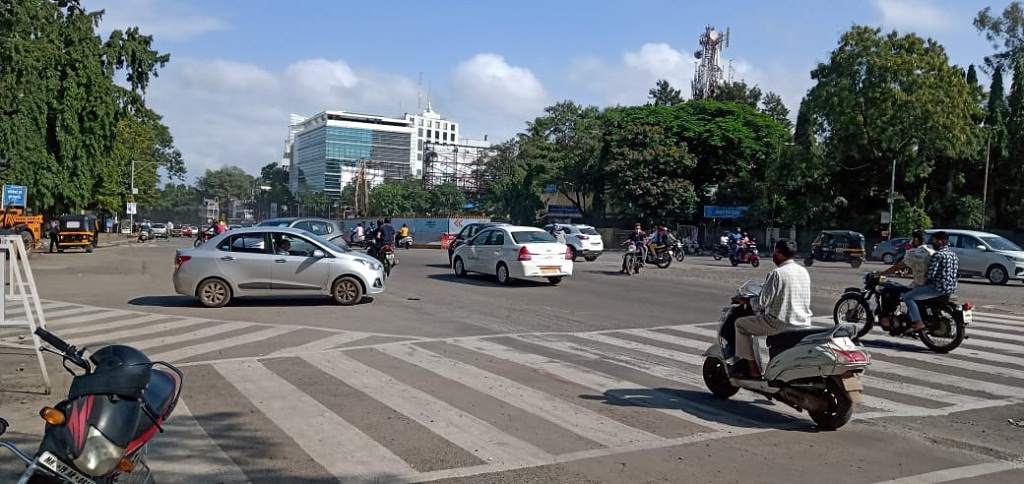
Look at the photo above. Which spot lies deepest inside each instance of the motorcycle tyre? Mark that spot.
(197, 243)
(869, 317)
(680, 255)
(755, 262)
(717, 256)
(664, 262)
(840, 407)
(716, 378)
(961, 329)
(734, 262)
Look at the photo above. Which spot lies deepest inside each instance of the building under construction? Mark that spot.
(459, 164)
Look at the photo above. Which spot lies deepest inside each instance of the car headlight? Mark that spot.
(374, 266)
(99, 456)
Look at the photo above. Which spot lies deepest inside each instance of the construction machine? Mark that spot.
(14, 221)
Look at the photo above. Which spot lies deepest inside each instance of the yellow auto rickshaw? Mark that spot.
(838, 246)
(76, 231)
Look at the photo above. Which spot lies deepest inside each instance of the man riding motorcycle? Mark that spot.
(385, 236)
(943, 271)
(916, 259)
(639, 237)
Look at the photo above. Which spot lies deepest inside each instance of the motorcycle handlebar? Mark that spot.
(54, 341)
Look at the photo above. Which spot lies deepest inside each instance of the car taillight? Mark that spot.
(583, 237)
(524, 254)
(181, 259)
(568, 253)
(853, 356)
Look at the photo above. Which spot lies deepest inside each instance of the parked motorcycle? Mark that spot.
(114, 407)
(818, 370)
(659, 255)
(405, 242)
(945, 320)
(745, 255)
(633, 257)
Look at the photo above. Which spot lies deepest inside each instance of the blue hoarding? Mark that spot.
(15, 195)
(715, 211)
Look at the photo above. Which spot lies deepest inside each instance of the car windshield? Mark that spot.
(588, 231)
(1000, 243)
(324, 242)
(532, 237)
(159, 226)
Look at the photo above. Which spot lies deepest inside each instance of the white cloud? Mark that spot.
(914, 14)
(791, 84)
(163, 19)
(629, 80)
(490, 85)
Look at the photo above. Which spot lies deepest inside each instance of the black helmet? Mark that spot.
(919, 234)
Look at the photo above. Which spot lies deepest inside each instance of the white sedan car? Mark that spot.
(514, 252)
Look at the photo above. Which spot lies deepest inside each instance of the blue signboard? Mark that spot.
(551, 188)
(714, 211)
(563, 211)
(15, 195)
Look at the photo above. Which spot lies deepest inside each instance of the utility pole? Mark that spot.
(984, 189)
(892, 196)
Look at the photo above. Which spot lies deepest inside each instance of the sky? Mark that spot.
(240, 68)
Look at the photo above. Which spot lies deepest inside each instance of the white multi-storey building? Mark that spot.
(430, 128)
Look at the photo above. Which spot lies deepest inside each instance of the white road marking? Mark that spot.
(957, 473)
(173, 454)
(186, 352)
(321, 344)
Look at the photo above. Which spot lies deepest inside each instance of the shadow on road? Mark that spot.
(440, 266)
(191, 302)
(757, 414)
(487, 281)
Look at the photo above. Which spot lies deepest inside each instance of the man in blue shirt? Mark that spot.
(942, 273)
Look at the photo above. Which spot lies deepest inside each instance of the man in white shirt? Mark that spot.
(916, 259)
(784, 305)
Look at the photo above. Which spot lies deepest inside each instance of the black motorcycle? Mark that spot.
(721, 251)
(115, 405)
(945, 320)
(386, 255)
(659, 254)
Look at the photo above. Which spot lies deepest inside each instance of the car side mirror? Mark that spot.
(319, 254)
(981, 247)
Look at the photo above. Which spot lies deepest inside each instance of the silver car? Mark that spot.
(263, 261)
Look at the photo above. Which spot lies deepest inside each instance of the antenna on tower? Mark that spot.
(727, 37)
(419, 94)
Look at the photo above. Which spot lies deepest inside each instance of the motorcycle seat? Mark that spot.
(784, 341)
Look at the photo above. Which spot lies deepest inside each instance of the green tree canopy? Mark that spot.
(663, 94)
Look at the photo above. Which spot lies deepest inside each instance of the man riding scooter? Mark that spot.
(784, 305)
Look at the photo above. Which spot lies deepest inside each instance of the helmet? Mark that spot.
(919, 234)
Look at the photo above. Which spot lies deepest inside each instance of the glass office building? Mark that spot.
(331, 148)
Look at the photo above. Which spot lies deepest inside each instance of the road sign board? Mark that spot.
(715, 211)
(15, 195)
(131, 208)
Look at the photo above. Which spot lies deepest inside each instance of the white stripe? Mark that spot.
(953, 359)
(68, 322)
(89, 328)
(599, 382)
(998, 317)
(916, 373)
(182, 324)
(71, 312)
(340, 447)
(476, 436)
(183, 353)
(869, 381)
(581, 421)
(322, 344)
(637, 362)
(973, 333)
(956, 473)
(176, 461)
(201, 334)
(998, 325)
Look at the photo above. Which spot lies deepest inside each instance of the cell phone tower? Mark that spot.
(709, 73)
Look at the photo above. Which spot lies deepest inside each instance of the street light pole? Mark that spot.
(984, 189)
(892, 196)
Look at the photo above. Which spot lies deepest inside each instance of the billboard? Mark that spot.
(15, 195)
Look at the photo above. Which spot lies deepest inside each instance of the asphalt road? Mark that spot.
(460, 380)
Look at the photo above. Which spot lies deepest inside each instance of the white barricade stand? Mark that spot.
(19, 285)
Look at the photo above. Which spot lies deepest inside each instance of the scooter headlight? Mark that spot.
(99, 456)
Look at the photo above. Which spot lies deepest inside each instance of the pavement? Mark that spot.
(445, 379)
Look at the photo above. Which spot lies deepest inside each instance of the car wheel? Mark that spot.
(347, 291)
(214, 293)
(590, 258)
(575, 254)
(460, 267)
(997, 274)
(503, 277)
(555, 280)
(88, 248)
(888, 258)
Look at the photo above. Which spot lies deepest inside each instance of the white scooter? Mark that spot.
(818, 369)
(405, 242)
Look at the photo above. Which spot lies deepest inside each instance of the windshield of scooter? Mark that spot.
(750, 289)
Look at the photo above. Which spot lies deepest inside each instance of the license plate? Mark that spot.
(968, 316)
(51, 462)
(548, 270)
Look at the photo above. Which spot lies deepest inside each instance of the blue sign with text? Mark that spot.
(15, 195)
(564, 211)
(714, 211)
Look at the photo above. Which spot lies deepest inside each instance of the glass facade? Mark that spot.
(323, 153)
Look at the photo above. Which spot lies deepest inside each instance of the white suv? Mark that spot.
(583, 240)
(986, 254)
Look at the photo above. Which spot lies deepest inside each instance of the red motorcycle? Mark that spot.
(114, 407)
(746, 255)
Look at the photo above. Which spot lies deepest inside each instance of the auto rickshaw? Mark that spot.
(837, 246)
(77, 231)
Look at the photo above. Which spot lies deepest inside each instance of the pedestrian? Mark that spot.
(54, 234)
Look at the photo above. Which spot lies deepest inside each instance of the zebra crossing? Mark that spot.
(361, 408)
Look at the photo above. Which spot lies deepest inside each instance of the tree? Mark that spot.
(663, 94)
(1013, 170)
(773, 106)
(447, 199)
(648, 170)
(1005, 32)
(513, 183)
(228, 184)
(738, 92)
(889, 97)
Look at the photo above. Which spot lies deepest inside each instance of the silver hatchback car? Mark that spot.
(263, 261)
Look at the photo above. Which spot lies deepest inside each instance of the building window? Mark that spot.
(421, 132)
(419, 145)
(419, 156)
(430, 124)
(453, 126)
(445, 137)
(446, 126)
(420, 121)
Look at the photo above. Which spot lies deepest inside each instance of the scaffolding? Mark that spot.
(458, 164)
(361, 184)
